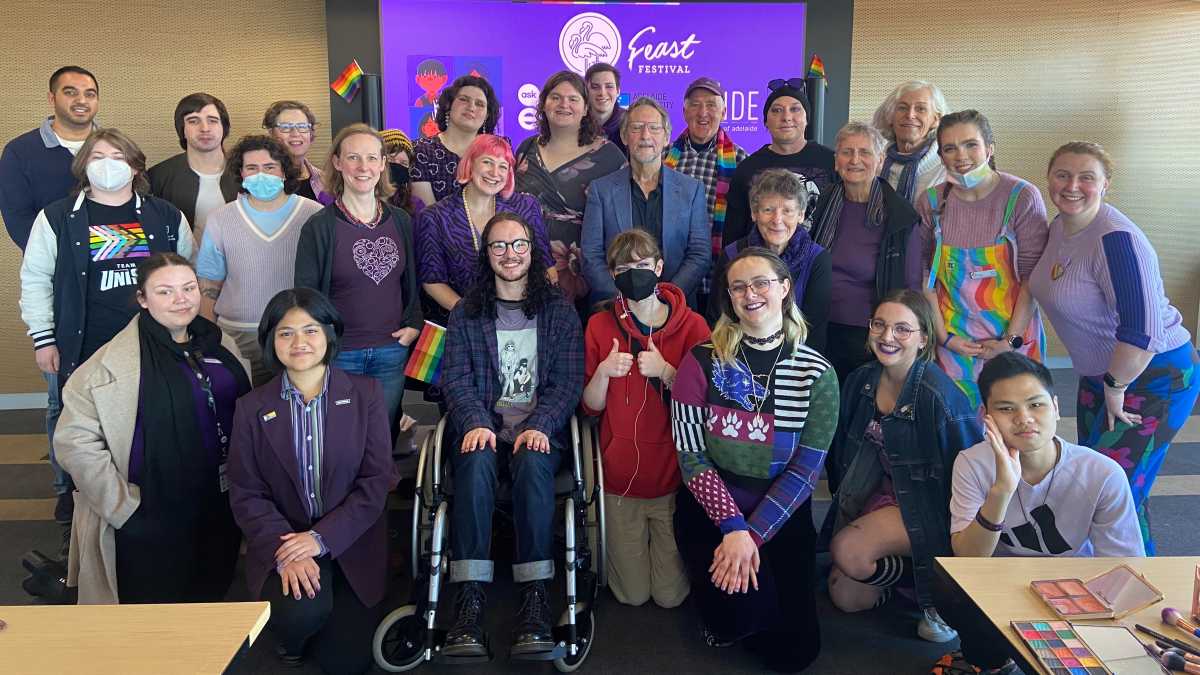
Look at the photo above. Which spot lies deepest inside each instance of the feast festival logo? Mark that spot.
(587, 39)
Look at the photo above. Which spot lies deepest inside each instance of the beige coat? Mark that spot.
(92, 443)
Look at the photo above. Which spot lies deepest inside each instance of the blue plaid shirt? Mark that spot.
(471, 376)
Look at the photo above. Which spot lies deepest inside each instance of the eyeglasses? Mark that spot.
(499, 248)
(902, 331)
(289, 127)
(639, 127)
(794, 83)
(759, 286)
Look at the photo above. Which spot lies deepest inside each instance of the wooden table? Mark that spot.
(184, 638)
(999, 588)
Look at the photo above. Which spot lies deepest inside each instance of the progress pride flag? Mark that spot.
(659, 49)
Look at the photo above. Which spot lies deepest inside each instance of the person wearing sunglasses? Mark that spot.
(786, 118)
(295, 126)
(646, 195)
(903, 421)
(513, 374)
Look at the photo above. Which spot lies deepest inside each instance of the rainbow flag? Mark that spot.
(425, 359)
(346, 85)
(816, 67)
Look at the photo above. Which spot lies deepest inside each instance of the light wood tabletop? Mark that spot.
(184, 638)
(999, 587)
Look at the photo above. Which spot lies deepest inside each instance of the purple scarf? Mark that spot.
(799, 255)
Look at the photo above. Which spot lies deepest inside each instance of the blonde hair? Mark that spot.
(1084, 148)
(334, 182)
(727, 335)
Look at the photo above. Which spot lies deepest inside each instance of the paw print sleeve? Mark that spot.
(688, 412)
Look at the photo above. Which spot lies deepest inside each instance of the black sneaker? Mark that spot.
(467, 638)
(533, 632)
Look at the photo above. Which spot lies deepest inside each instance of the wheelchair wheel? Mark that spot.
(399, 643)
(585, 627)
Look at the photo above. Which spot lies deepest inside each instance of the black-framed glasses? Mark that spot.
(499, 248)
(759, 286)
(794, 83)
(902, 331)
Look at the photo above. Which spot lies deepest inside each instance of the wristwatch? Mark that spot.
(1014, 341)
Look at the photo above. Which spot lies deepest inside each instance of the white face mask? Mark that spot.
(109, 174)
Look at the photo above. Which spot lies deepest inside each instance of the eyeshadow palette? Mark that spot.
(1112, 595)
(1059, 648)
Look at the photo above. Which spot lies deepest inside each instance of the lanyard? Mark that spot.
(193, 361)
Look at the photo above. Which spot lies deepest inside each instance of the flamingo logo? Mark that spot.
(587, 39)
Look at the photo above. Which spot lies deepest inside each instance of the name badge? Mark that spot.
(269, 416)
(222, 479)
(342, 401)
(985, 274)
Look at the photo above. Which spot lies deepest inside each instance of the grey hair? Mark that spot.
(781, 182)
(646, 101)
(855, 128)
(883, 114)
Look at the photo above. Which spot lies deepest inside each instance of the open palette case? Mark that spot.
(1064, 648)
(1111, 595)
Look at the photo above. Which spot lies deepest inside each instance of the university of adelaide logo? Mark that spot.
(587, 39)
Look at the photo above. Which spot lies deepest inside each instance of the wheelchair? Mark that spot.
(409, 635)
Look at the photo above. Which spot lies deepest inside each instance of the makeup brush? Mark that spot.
(1176, 662)
(1187, 657)
(1160, 650)
(1172, 617)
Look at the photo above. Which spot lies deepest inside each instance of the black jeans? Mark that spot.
(335, 624)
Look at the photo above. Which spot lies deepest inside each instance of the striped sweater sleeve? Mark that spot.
(795, 484)
(689, 412)
(1132, 275)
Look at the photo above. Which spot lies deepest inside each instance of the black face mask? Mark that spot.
(636, 284)
(398, 173)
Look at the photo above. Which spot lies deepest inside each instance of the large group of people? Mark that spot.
(224, 338)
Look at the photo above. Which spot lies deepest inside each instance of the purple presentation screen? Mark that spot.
(659, 49)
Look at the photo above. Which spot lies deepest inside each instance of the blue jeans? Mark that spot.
(475, 477)
(386, 364)
(62, 481)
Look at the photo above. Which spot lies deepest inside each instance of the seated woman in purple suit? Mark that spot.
(309, 472)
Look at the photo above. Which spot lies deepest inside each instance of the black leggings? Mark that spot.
(335, 625)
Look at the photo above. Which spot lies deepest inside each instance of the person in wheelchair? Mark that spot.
(514, 314)
(632, 351)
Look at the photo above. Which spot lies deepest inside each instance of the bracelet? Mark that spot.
(1111, 382)
(987, 524)
(946, 342)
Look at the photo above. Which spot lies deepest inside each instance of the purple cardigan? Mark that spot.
(356, 475)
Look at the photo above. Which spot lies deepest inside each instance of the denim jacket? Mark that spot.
(931, 423)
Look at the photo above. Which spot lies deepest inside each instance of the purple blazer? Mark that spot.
(356, 475)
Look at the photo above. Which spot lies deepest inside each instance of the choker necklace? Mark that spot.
(750, 340)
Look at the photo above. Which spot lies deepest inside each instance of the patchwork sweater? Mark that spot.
(751, 452)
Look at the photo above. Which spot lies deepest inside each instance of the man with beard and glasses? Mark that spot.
(646, 195)
(514, 314)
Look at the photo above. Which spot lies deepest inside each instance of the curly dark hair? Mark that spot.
(446, 99)
(588, 129)
(235, 159)
(480, 300)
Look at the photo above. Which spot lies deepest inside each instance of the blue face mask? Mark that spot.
(970, 179)
(263, 186)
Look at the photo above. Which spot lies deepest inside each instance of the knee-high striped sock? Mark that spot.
(888, 570)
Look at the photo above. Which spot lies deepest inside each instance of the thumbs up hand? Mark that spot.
(651, 362)
(617, 363)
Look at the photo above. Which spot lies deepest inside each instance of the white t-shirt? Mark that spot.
(1082, 508)
(208, 199)
(73, 146)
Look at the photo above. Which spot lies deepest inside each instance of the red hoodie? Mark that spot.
(638, 451)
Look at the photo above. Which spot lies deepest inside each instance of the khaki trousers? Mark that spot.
(643, 562)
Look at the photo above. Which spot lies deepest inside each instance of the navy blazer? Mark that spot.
(357, 474)
(686, 236)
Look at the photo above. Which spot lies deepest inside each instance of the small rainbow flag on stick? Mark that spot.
(816, 67)
(346, 85)
(425, 361)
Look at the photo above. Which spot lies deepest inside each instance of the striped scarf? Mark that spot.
(726, 163)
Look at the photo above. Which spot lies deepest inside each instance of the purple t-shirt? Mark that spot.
(855, 250)
(367, 284)
(224, 388)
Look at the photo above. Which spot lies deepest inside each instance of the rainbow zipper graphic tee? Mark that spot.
(116, 242)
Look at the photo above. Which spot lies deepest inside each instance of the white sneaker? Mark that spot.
(931, 627)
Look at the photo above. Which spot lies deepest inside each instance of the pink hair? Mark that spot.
(487, 144)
